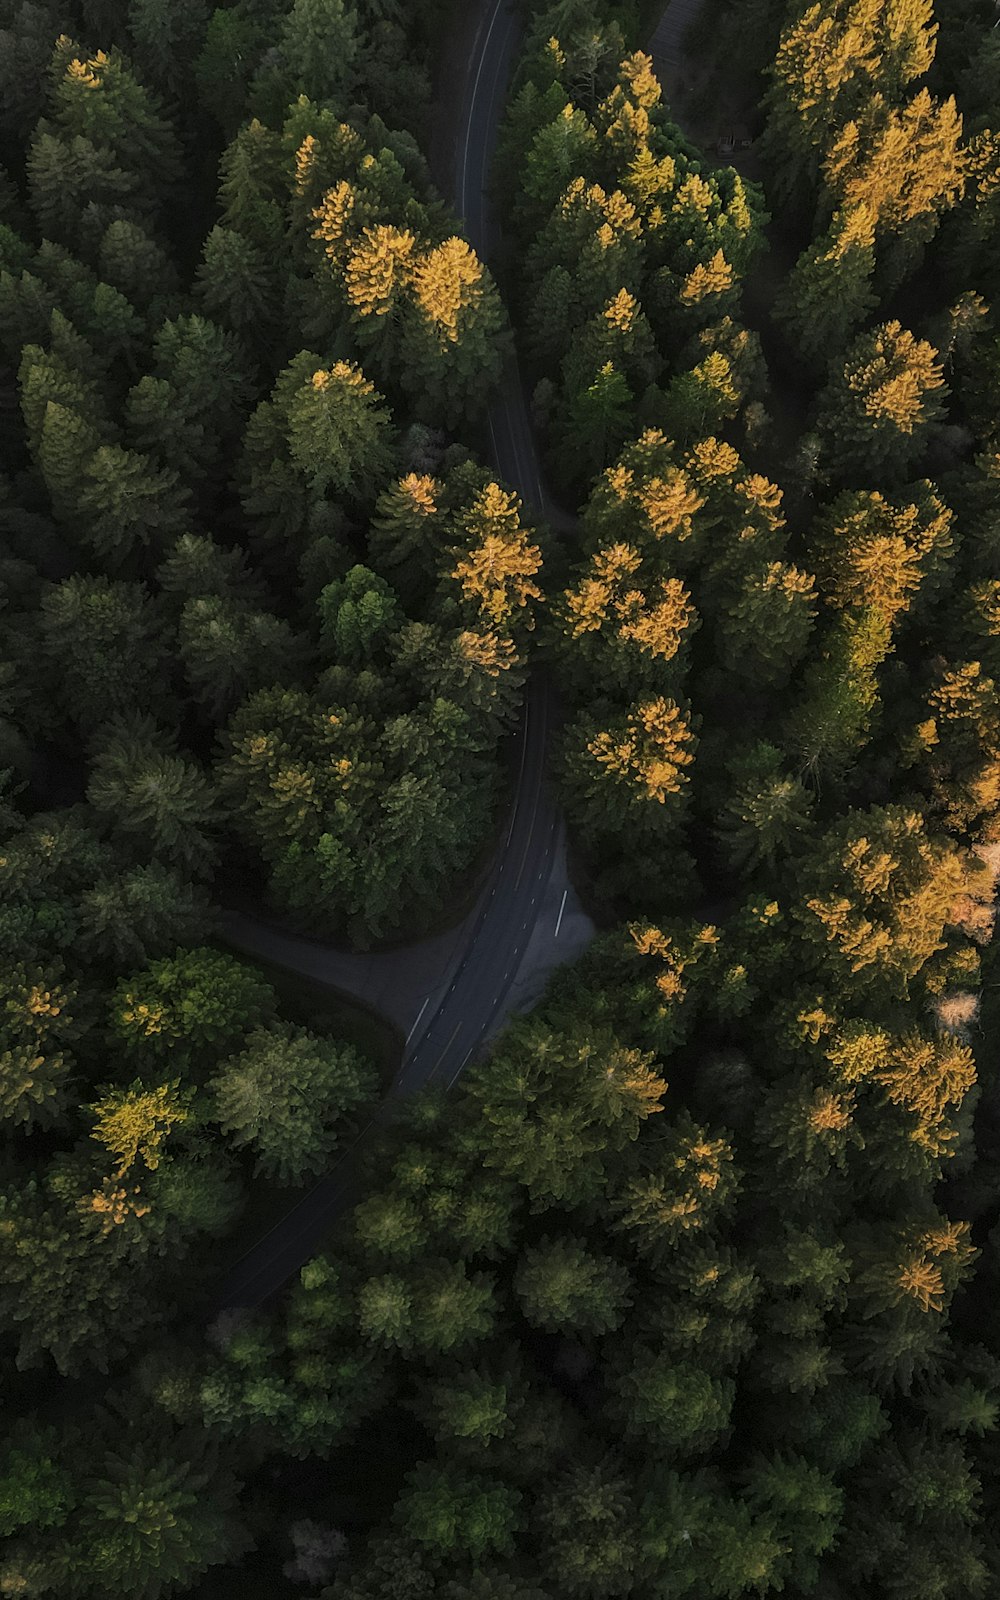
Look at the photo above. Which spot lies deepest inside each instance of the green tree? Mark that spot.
(319, 48)
(829, 290)
(135, 263)
(554, 1108)
(35, 1088)
(105, 645)
(674, 1407)
(766, 812)
(131, 914)
(358, 614)
(185, 1005)
(149, 794)
(563, 1286)
(766, 627)
(143, 1521)
(323, 429)
(457, 1513)
(588, 1526)
(288, 1094)
(165, 40)
(236, 282)
(230, 651)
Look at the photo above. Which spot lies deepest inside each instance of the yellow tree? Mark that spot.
(497, 567)
(874, 414)
(878, 896)
(626, 774)
(622, 626)
(454, 337)
(649, 499)
(873, 550)
(832, 57)
(378, 274)
(906, 166)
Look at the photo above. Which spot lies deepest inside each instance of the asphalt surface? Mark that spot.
(452, 1024)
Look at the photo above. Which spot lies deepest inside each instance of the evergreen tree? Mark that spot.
(874, 415)
(151, 795)
(287, 1094)
(563, 1287)
(105, 644)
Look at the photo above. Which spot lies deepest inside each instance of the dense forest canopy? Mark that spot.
(685, 1291)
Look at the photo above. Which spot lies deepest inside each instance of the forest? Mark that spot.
(687, 1288)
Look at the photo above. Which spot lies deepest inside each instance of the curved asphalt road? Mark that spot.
(440, 1046)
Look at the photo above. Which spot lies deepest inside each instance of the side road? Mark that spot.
(451, 993)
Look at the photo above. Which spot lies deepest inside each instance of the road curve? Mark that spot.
(504, 922)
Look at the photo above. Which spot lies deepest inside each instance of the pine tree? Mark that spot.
(378, 277)
(125, 502)
(553, 1109)
(35, 1089)
(672, 1407)
(132, 1124)
(833, 715)
(903, 167)
(454, 335)
(358, 615)
(589, 1533)
(878, 551)
(874, 414)
(460, 1514)
(406, 530)
(323, 428)
(498, 565)
(831, 59)
(878, 896)
(132, 914)
(320, 48)
(105, 644)
(766, 812)
(287, 1094)
(563, 1287)
(767, 626)
(252, 187)
(829, 290)
(634, 767)
(151, 795)
(237, 283)
(183, 1005)
(230, 651)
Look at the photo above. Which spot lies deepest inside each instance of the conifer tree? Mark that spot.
(563, 1287)
(106, 647)
(831, 58)
(454, 334)
(230, 650)
(829, 290)
(633, 765)
(878, 896)
(319, 47)
(875, 413)
(287, 1094)
(163, 803)
(766, 811)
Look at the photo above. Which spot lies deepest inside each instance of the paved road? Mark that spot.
(470, 1005)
